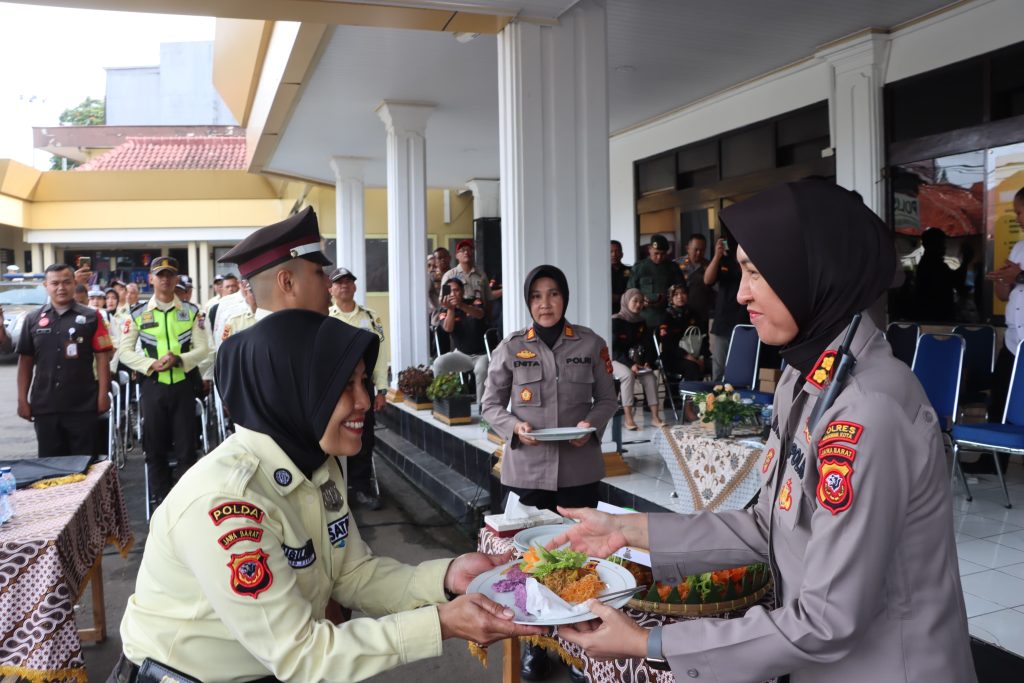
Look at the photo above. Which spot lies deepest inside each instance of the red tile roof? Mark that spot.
(163, 153)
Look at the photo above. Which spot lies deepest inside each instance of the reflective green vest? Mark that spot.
(163, 331)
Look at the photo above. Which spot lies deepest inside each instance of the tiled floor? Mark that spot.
(990, 540)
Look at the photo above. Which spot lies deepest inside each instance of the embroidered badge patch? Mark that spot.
(841, 431)
(807, 434)
(525, 354)
(607, 359)
(531, 334)
(836, 452)
(282, 476)
(236, 508)
(250, 574)
(337, 532)
(835, 483)
(299, 558)
(569, 331)
(768, 458)
(182, 315)
(822, 372)
(526, 394)
(226, 333)
(786, 495)
(249, 533)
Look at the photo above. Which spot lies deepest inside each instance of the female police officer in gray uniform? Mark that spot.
(854, 514)
(557, 375)
(247, 549)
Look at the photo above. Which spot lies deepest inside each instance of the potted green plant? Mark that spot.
(724, 406)
(450, 405)
(413, 383)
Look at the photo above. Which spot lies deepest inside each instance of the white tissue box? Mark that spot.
(504, 528)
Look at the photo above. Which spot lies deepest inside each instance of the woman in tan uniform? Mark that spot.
(556, 375)
(245, 552)
(854, 515)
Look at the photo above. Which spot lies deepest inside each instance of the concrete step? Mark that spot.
(447, 489)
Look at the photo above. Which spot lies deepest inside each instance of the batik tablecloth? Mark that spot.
(710, 473)
(617, 670)
(46, 553)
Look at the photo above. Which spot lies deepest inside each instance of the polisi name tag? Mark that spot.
(841, 431)
(249, 533)
(526, 364)
(337, 532)
(577, 361)
(299, 558)
(236, 508)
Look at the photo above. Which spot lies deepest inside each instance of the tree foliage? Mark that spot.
(91, 112)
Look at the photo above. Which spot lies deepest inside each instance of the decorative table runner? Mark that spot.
(709, 473)
(617, 670)
(47, 551)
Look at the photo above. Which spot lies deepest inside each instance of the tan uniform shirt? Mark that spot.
(861, 522)
(140, 362)
(240, 562)
(364, 318)
(475, 282)
(555, 387)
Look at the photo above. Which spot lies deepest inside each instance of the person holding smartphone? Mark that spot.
(724, 271)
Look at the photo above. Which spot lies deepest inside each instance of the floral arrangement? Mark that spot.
(724, 405)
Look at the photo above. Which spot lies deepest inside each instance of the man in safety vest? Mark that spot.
(172, 344)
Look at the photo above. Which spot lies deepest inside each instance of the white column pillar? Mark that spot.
(191, 268)
(486, 198)
(203, 286)
(49, 257)
(553, 143)
(350, 231)
(37, 258)
(165, 250)
(855, 105)
(406, 125)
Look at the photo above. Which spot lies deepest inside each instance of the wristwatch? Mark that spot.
(655, 657)
(1019, 280)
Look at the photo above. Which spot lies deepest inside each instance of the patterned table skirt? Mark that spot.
(618, 670)
(710, 473)
(46, 553)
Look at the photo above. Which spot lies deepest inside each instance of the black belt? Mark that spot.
(152, 671)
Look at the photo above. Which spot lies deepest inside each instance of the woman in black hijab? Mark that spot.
(854, 514)
(245, 552)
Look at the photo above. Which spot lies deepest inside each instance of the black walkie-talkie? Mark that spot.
(845, 366)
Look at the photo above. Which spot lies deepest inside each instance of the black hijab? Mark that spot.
(548, 335)
(825, 253)
(283, 378)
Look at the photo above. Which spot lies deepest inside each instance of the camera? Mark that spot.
(446, 290)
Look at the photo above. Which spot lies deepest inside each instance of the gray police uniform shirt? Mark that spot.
(859, 514)
(550, 387)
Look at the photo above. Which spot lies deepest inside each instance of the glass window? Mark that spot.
(938, 214)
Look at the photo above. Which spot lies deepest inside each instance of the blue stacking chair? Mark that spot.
(1006, 437)
(740, 363)
(938, 362)
(902, 338)
(979, 362)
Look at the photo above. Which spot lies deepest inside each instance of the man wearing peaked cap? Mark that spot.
(360, 467)
(183, 290)
(283, 264)
(171, 344)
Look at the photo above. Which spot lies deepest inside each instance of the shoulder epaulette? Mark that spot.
(138, 308)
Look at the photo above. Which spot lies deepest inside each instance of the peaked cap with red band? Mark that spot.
(297, 236)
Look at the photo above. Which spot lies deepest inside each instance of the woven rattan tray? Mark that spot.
(699, 610)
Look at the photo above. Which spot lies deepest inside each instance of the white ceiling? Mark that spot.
(662, 55)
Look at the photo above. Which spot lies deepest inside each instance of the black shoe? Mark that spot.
(368, 500)
(535, 665)
(577, 675)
